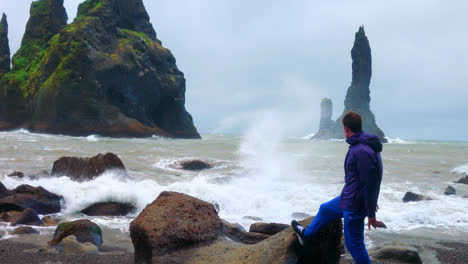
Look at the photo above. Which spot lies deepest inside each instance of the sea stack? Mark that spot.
(106, 73)
(327, 125)
(4, 46)
(358, 94)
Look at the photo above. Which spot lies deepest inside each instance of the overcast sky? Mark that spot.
(247, 59)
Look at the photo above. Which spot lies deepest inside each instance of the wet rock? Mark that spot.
(8, 216)
(71, 246)
(109, 209)
(26, 217)
(86, 169)
(4, 46)
(49, 221)
(253, 218)
(3, 190)
(300, 216)
(463, 180)
(84, 230)
(450, 191)
(397, 252)
(171, 222)
(18, 174)
(37, 198)
(237, 233)
(25, 230)
(413, 197)
(465, 196)
(267, 228)
(195, 165)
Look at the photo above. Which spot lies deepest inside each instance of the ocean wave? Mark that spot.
(310, 136)
(463, 169)
(398, 141)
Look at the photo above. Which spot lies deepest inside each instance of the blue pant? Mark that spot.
(353, 228)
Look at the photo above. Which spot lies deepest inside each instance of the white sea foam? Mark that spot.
(398, 141)
(92, 138)
(463, 169)
(310, 136)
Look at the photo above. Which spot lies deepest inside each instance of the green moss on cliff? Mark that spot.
(88, 8)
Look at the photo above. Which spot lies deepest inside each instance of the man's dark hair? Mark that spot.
(353, 121)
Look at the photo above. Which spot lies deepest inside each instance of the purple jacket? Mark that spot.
(363, 174)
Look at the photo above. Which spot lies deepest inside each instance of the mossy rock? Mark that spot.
(84, 230)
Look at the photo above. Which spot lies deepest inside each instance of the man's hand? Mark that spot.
(372, 221)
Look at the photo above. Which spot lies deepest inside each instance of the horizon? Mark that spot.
(238, 55)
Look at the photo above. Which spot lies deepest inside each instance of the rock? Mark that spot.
(267, 228)
(49, 221)
(4, 46)
(413, 197)
(3, 190)
(450, 191)
(84, 230)
(465, 196)
(26, 217)
(327, 125)
(195, 165)
(396, 252)
(237, 233)
(37, 198)
(86, 169)
(18, 174)
(357, 96)
(109, 209)
(105, 73)
(25, 230)
(171, 222)
(8, 216)
(71, 246)
(463, 180)
(300, 216)
(253, 218)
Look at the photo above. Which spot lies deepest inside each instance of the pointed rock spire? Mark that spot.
(4, 46)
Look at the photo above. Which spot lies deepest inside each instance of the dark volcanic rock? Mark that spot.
(84, 230)
(237, 233)
(463, 180)
(18, 174)
(413, 197)
(4, 46)
(85, 169)
(450, 191)
(26, 217)
(25, 230)
(173, 221)
(109, 209)
(106, 73)
(267, 228)
(358, 94)
(37, 198)
(195, 165)
(327, 125)
(397, 252)
(3, 190)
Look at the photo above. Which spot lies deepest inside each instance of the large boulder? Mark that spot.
(22, 230)
(450, 191)
(267, 228)
(71, 246)
(177, 228)
(396, 252)
(237, 233)
(84, 230)
(26, 217)
(173, 221)
(37, 198)
(463, 180)
(86, 169)
(195, 165)
(49, 221)
(109, 209)
(105, 73)
(414, 197)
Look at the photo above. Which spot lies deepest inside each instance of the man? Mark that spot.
(358, 199)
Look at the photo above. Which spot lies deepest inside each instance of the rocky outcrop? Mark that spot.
(4, 46)
(327, 125)
(177, 228)
(413, 197)
(450, 191)
(195, 165)
(71, 246)
(463, 180)
(86, 169)
(173, 221)
(106, 73)
(267, 228)
(22, 230)
(109, 209)
(26, 217)
(358, 94)
(37, 198)
(83, 230)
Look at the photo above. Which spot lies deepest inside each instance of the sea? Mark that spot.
(257, 174)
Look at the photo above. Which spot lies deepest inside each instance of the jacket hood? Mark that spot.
(366, 139)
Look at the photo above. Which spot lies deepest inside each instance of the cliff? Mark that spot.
(4, 46)
(106, 73)
(358, 94)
